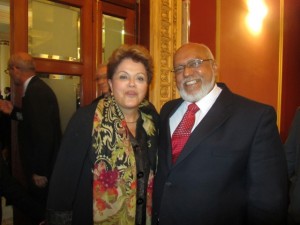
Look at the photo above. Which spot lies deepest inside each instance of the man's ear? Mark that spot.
(215, 69)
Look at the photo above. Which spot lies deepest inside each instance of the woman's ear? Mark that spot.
(110, 86)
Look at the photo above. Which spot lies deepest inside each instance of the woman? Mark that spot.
(104, 171)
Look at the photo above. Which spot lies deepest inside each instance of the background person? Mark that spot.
(13, 191)
(232, 168)
(292, 150)
(102, 81)
(7, 91)
(104, 170)
(5, 131)
(39, 130)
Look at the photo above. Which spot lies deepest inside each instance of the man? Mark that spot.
(292, 150)
(39, 131)
(102, 82)
(7, 93)
(5, 131)
(232, 168)
(15, 193)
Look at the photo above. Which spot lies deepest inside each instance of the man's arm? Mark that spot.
(267, 174)
(290, 145)
(14, 192)
(39, 113)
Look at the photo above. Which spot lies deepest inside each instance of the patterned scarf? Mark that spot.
(115, 179)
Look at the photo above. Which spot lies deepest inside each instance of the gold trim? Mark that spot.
(218, 33)
(165, 22)
(280, 63)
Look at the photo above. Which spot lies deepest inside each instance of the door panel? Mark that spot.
(118, 12)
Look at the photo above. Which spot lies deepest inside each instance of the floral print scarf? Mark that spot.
(115, 178)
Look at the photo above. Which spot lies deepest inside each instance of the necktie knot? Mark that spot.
(193, 108)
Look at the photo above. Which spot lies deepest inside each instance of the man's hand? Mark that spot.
(39, 181)
(6, 106)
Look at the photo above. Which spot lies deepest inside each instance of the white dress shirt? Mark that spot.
(204, 105)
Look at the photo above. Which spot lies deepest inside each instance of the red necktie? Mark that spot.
(183, 131)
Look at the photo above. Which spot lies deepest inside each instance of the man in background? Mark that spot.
(102, 82)
(39, 131)
(292, 151)
(5, 132)
(13, 192)
(7, 93)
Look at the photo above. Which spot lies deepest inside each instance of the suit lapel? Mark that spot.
(217, 115)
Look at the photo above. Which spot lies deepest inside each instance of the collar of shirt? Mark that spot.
(204, 104)
(26, 85)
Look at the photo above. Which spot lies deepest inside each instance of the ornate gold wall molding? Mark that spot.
(165, 38)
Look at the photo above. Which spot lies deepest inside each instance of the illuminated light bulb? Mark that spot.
(257, 12)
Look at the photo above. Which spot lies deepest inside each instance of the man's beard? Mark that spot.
(204, 90)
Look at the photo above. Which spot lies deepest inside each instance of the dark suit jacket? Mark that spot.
(70, 191)
(292, 148)
(39, 128)
(15, 193)
(232, 169)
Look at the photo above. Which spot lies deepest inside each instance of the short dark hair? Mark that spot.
(7, 88)
(137, 53)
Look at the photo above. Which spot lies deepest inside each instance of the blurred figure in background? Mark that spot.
(13, 192)
(5, 131)
(39, 131)
(292, 150)
(7, 93)
(102, 82)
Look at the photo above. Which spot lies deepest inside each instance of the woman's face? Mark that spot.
(129, 84)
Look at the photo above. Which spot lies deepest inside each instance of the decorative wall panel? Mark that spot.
(165, 38)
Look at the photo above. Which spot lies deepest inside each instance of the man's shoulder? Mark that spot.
(240, 100)
(39, 86)
(87, 110)
(172, 103)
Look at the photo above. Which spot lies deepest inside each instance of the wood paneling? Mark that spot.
(291, 66)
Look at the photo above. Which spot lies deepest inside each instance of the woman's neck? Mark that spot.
(131, 116)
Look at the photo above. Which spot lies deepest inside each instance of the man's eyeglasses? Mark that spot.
(8, 69)
(191, 64)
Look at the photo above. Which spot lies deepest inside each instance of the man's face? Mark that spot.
(194, 72)
(15, 74)
(101, 79)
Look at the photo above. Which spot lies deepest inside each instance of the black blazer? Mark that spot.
(39, 129)
(71, 185)
(232, 169)
(16, 194)
(292, 149)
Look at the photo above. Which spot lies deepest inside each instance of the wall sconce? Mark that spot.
(257, 12)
